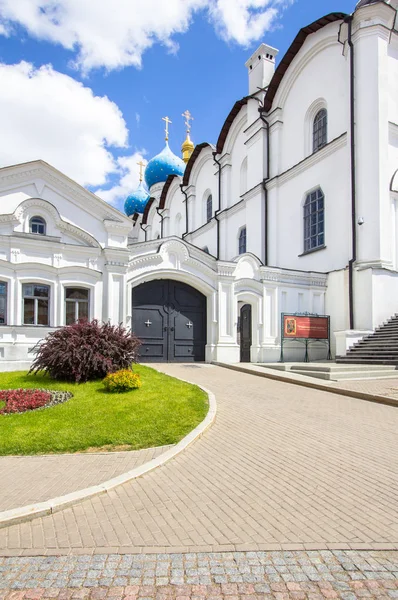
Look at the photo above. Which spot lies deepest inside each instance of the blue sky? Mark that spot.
(206, 74)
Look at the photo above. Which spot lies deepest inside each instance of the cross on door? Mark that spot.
(189, 324)
(148, 323)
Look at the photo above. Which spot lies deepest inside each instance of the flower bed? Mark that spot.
(22, 400)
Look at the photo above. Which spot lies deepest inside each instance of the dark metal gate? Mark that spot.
(169, 317)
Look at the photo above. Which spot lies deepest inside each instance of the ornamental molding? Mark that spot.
(113, 226)
(254, 191)
(50, 209)
(236, 128)
(37, 268)
(17, 174)
(308, 162)
(293, 278)
(299, 63)
(205, 156)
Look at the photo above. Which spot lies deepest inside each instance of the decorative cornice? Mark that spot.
(308, 162)
(293, 277)
(25, 173)
(46, 206)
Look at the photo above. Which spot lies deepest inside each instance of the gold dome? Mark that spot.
(187, 148)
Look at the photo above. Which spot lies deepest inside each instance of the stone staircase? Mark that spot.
(380, 348)
(330, 371)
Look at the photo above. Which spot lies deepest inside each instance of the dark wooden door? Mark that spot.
(245, 332)
(170, 319)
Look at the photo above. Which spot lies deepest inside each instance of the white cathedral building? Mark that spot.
(293, 210)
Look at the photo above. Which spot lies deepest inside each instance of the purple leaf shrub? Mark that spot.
(85, 351)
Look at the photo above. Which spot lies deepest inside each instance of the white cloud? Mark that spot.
(129, 178)
(46, 114)
(243, 21)
(116, 33)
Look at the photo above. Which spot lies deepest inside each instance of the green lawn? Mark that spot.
(161, 412)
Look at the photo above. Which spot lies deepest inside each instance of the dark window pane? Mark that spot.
(76, 293)
(209, 208)
(41, 291)
(29, 311)
(3, 289)
(38, 225)
(2, 310)
(320, 130)
(42, 312)
(83, 310)
(28, 290)
(70, 312)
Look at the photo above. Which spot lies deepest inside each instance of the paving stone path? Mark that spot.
(30, 479)
(344, 575)
(283, 467)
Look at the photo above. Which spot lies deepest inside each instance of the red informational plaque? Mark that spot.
(303, 327)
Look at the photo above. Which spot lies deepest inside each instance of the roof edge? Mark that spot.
(192, 159)
(292, 52)
(228, 123)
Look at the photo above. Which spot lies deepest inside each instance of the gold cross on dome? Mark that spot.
(188, 118)
(167, 121)
(141, 165)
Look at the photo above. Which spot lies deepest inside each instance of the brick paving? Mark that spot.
(30, 479)
(344, 575)
(283, 467)
(379, 387)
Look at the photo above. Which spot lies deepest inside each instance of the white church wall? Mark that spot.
(175, 205)
(286, 199)
(234, 154)
(319, 73)
(204, 178)
(375, 69)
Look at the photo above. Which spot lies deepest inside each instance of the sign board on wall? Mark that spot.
(305, 327)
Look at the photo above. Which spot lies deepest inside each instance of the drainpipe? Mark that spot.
(160, 213)
(219, 204)
(266, 123)
(186, 211)
(353, 177)
(144, 230)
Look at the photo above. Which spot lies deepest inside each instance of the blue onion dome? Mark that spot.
(136, 202)
(162, 165)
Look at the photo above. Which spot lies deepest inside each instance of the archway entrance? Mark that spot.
(169, 317)
(245, 331)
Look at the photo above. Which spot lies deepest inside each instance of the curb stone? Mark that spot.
(305, 381)
(42, 509)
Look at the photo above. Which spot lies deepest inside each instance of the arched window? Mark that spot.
(320, 130)
(209, 208)
(314, 220)
(37, 225)
(3, 303)
(242, 240)
(76, 304)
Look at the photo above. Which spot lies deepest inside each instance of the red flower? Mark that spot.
(17, 401)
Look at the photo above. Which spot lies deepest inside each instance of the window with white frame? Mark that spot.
(77, 302)
(209, 208)
(314, 220)
(36, 304)
(320, 130)
(3, 303)
(242, 240)
(37, 225)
